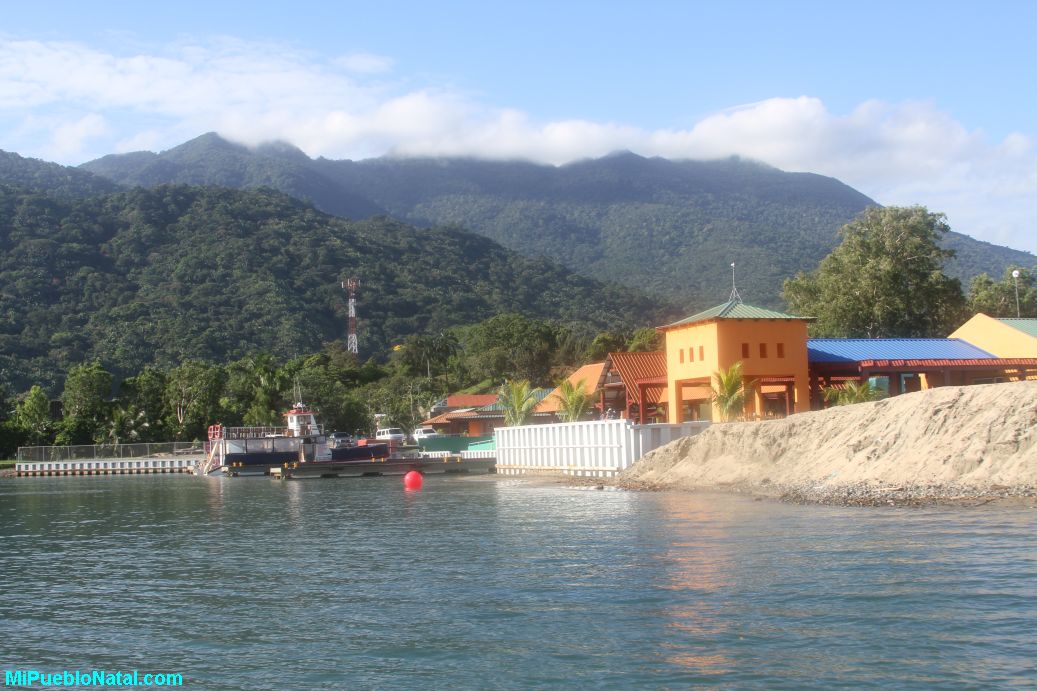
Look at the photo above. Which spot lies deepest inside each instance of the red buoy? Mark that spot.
(413, 480)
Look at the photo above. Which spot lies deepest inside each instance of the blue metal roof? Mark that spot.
(860, 349)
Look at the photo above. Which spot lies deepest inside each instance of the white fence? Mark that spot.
(601, 448)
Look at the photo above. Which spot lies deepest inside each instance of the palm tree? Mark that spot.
(573, 400)
(518, 400)
(729, 392)
(852, 392)
(125, 426)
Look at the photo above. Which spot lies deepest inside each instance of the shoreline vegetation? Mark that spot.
(947, 446)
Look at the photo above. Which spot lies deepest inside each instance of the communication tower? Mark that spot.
(351, 284)
(735, 297)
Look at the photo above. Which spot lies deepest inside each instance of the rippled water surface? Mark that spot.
(487, 582)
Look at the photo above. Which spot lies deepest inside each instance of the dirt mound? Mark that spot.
(950, 439)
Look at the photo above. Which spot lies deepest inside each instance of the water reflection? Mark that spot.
(698, 566)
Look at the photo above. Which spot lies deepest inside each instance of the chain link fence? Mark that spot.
(41, 454)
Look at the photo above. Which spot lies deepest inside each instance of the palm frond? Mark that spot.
(517, 400)
(573, 400)
(729, 392)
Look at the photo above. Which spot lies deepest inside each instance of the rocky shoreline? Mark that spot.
(863, 494)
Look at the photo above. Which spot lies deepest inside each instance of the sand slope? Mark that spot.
(963, 436)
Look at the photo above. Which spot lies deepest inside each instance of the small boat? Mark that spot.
(301, 442)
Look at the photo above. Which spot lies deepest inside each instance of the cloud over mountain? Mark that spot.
(71, 102)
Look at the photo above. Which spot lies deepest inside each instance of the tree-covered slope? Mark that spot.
(670, 227)
(52, 178)
(212, 160)
(174, 273)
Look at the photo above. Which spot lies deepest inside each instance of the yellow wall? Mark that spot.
(996, 338)
(721, 342)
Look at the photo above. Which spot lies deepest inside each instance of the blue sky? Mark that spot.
(922, 102)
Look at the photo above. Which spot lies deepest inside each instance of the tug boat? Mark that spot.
(300, 443)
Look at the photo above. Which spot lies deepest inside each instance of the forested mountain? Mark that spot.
(58, 180)
(176, 272)
(669, 227)
(212, 160)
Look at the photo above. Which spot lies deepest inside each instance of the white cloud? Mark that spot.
(70, 102)
(69, 138)
(365, 63)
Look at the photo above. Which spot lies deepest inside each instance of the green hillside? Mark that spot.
(177, 272)
(669, 227)
(212, 160)
(58, 180)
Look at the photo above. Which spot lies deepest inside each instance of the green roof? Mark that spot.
(538, 395)
(1027, 326)
(733, 309)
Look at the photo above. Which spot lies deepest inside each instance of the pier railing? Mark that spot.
(599, 448)
(51, 454)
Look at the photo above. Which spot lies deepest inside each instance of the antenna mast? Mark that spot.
(735, 297)
(351, 284)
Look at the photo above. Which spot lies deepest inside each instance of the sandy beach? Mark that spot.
(952, 445)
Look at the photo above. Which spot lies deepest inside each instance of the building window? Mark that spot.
(781, 350)
(691, 354)
(681, 351)
(701, 351)
(745, 350)
(763, 350)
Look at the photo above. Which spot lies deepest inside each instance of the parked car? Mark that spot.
(394, 435)
(338, 440)
(424, 433)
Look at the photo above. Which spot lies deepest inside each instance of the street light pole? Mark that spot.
(1015, 277)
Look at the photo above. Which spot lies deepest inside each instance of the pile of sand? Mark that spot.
(974, 437)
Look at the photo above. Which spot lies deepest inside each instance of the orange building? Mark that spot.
(631, 385)
(480, 420)
(787, 371)
(772, 347)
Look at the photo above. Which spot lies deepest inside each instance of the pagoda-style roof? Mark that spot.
(733, 309)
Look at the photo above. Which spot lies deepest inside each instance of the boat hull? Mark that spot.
(367, 452)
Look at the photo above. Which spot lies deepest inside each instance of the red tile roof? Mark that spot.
(441, 419)
(641, 368)
(985, 363)
(590, 375)
(470, 400)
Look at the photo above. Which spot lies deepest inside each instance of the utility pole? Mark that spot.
(1015, 277)
(351, 285)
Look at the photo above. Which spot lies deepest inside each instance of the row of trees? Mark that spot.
(179, 403)
(886, 279)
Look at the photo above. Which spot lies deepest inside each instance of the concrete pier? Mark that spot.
(122, 466)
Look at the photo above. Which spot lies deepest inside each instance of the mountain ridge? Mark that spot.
(668, 227)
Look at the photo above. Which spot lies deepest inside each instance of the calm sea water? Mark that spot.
(248, 583)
